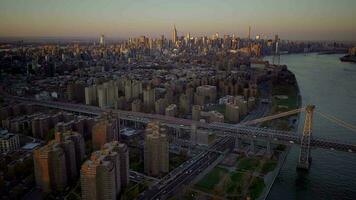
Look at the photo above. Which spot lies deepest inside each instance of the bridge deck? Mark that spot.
(242, 131)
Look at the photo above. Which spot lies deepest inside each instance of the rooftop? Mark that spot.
(5, 135)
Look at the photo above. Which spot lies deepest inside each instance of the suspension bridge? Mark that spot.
(245, 130)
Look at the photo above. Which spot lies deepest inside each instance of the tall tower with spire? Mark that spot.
(102, 40)
(174, 35)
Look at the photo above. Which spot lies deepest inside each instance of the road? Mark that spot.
(185, 174)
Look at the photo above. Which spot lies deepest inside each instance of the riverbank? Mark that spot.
(292, 101)
(329, 84)
(251, 171)
(348, 58)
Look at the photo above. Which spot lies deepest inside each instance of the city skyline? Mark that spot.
(302, 20)
(163, 99)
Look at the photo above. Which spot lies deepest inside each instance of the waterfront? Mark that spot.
(330, 85)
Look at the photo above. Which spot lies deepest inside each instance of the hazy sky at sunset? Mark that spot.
(291, 19)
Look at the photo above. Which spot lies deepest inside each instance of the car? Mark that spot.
(292, 142)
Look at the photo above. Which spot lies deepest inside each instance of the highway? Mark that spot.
(186, 173)
(138, 177)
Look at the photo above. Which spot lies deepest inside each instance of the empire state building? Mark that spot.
(174, 35)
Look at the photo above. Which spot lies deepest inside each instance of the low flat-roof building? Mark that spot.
(8, 141)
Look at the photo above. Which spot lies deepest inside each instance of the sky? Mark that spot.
(291, 19)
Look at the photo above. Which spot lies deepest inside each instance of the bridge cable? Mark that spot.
(338, 121)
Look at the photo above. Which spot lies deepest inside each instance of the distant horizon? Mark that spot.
(297, 20)
(118, 38)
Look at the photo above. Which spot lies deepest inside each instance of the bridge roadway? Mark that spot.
(138, 177)
(240, 131)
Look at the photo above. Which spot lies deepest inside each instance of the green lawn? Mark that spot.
(137, 166)
(133, 190)
(268, 166)
(281, 147)
(234, 186)
(190, 195)
(220, 108)
(136, 162)
(248, 164)
(291, 102)
(211, 179)
(256, 188)
(176, 160)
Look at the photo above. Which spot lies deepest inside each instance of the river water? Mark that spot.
(330, 85)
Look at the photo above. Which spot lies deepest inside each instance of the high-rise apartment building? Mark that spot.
(104, 131)
(123, 152)
(242, 103)
(133, 89)
(76, 91)
(106, 172)
(107, 94)
(50, 167)
(40, 126)
(149, 99)
(91, 95)
(79, 145)
(97, 178)
(232, 112)
(184, 104)
(156, 150)
(208, 91)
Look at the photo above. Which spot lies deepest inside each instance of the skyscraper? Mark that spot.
(107, 170)
(174, 35)
(149, 99)
(78, 141)
(104, 131)
(102, 40)
(156, 152)
(50, 167)
(97, 178)
(107, 94)
(232, 112)
(123, 152)
(58, 162)
(91, 95)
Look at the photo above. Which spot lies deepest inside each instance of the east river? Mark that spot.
(330, 85)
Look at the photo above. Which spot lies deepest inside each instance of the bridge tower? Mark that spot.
(304, 156)
(276, 56)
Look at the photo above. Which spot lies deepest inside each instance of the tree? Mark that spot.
(50, 135)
